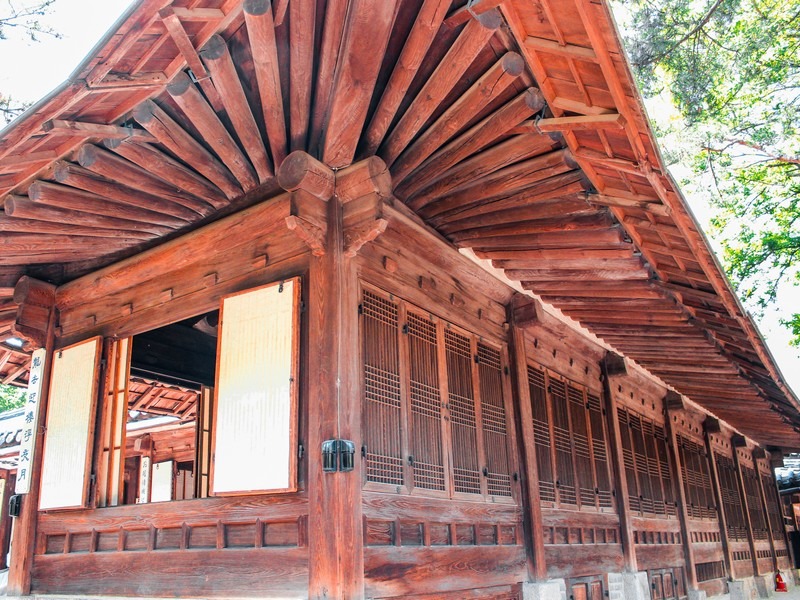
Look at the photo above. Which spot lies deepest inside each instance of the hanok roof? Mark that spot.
(515, 131)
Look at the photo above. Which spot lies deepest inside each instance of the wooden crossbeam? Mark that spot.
(536, 210)
(650, 205)
(83, 179)
(168, 169)
(15, 374)
(62, 196)
(127, 81)
(470, 10)
(115, 168)
(569, 105)
(62, 127)
(538, 44)
(21, 207)
(328, 56)
(19, 160)
(9, 224)
(198, 14)
(503, 182)
(176, 30)
(611, 121)
(476, 138)
(302, 26)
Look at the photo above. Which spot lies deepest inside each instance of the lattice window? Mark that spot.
(493, 417)
(696, 479)
(435, 407)
(562, 438)
(541, 433)
(571, 446)
(647, 466)
(731, 500)
(710, 570)
(755, 510)
(382, 408)
(463, 417)
(600, 452)
(774, 512)
(584, 472)
(668, 488)
(425, 442)
(630, 463)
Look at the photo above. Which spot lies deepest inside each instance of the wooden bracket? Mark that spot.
(775, 456)
(524, 311)
(614, 365)
(363, 218)
(356, 237)
(738, 441)
(35, 300)
(312, 235)
(711, 425)
(759, 452)
(308, 218)
(673, 401)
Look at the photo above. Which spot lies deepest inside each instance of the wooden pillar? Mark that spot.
(674, 402)
(738, 441)
(771, 464)
(335, 538)
(522, 311)
(613, 366)
(35, 298)
(763, 496)
(711, 425)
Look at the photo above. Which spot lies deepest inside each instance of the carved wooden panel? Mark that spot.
(258, 543)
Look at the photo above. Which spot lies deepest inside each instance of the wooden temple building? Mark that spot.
(375, 299)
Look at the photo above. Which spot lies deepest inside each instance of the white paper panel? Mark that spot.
(161, 482)
(253, 424)
(69, 423)
(144, 480)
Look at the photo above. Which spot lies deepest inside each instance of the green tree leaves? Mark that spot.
(733, 70)
(11, 397)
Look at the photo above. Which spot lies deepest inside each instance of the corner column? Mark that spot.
(335, 214)
(335, 539)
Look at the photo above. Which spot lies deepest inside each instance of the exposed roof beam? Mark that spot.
(567, 50)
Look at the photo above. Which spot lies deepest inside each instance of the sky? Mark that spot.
(29, 70)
